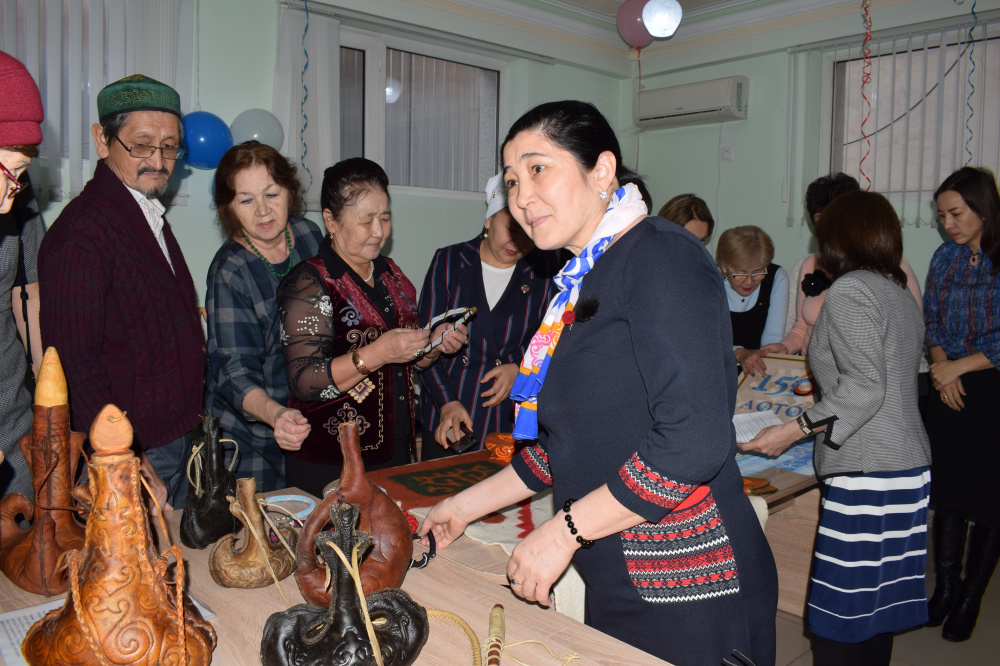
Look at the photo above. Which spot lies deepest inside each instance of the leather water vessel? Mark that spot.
(29, 557)
(259, 561)
(121, 609)
(206, 517)
(392, 541)
(337, 634)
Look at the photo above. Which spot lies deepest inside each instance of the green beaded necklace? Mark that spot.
(288, 239)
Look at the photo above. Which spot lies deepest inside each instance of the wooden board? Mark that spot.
(792, 535)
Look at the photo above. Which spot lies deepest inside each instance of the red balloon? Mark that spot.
(630, 25)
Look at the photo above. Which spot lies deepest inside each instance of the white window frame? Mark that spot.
(374, 45)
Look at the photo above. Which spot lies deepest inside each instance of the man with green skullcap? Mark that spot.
(119, 302)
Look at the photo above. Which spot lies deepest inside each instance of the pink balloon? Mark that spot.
(630, 25)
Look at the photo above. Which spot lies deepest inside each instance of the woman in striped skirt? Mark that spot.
(871, 451)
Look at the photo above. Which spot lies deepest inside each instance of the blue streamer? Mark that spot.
(972, 87)
(302, 104)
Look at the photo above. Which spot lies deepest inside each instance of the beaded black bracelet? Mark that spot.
(584, 543)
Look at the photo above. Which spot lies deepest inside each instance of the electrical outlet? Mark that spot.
(726, 154)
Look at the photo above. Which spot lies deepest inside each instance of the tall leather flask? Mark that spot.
(337, 634)
(392, 540)
(28, 557)
(120, 608)
(206, 517)
(259, 561)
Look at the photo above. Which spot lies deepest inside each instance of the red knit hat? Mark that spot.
(21, 110)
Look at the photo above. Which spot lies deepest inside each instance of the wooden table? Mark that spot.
(458, 580)
(791, 531)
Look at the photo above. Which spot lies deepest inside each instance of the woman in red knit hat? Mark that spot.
(20, 235)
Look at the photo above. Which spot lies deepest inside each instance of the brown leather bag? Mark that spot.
(28, 557)
(120, 608)
(258, 562)
(386, 563)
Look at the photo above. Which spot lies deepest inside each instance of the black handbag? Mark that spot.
(206, 517)
(338, 633)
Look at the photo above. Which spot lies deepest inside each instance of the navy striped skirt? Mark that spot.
(871, 555)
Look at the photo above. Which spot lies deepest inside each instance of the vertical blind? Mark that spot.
(932, 110)
(441, 124)
(73, 48)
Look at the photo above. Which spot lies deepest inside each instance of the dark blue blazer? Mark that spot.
(497, 336)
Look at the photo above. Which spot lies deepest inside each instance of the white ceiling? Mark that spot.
(608, 9)
(577, 17)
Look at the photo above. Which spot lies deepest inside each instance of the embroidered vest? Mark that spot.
(371, 402)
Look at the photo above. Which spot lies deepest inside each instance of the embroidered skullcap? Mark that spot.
(137, 93)
(21, 111)
(496, 195)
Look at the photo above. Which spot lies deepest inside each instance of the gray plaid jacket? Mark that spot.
(865, 354)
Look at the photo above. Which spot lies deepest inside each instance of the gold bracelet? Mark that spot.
(359, 364)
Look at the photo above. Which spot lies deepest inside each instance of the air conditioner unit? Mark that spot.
(706, 102)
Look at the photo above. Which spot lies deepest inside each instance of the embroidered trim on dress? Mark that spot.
(650, 486)
(685, 557)
(538, 463)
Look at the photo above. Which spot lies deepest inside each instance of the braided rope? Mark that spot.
(477, 658)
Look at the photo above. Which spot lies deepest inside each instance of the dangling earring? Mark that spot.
(486, 233)
(604, 195)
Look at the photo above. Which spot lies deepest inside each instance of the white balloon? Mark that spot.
(661, 17)
(257, 125)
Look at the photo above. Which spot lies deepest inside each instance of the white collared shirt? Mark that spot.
(153, 210)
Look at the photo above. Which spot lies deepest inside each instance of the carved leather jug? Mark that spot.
(28, 557)
(252, 564)
(120, 608)
(392, 540)
(337, 634)
(206, 517)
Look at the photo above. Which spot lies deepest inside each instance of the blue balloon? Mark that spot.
(206, 139)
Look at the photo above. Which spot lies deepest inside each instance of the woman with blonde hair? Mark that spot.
(757, 291)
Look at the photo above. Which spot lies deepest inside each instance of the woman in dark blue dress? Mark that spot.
(510, 284)
(628, 386)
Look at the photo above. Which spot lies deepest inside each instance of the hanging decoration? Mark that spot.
(302, 104)
(866, 79)
(972, 87)
(630, 25)
(661, 17)
(638, 108)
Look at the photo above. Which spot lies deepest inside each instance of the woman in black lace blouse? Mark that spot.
(350, 332)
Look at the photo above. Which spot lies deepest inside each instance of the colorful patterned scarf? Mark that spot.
(626, 205)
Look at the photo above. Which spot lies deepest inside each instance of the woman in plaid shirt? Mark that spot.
(256, 194)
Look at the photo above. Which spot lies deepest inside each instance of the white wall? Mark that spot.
(749, 188)
(238, 46)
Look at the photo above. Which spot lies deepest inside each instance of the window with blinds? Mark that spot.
(933, 104)
(933, 109)
(440, 122)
